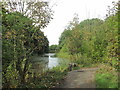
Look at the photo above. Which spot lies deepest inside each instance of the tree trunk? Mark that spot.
(22, 72)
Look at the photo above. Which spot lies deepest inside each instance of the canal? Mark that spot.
(44, 62)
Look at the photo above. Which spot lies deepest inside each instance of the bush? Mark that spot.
(106, 77)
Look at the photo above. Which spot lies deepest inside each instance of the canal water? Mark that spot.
(44, 62)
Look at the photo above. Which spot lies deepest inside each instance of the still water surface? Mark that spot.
(46, 61)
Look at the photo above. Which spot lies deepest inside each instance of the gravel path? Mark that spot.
(83, 78)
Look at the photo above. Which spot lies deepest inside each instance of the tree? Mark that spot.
(53, 48)
(38, 10)
(93, 40)
(73, 23)
(63, 37)
(21, 38)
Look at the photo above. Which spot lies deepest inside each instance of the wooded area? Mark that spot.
(22, 37)
(92, 41)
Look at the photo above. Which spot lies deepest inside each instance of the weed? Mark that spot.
(106, 77)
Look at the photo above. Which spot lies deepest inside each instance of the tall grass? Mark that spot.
(63, 55)
(106, 77)
(49, 79)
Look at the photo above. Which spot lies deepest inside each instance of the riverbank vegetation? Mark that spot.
(53, 49)
(106, 77)
(48, 79)
(22, 38)
(88, 43)
(94, 41)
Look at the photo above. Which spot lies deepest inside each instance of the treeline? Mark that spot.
(92, 40)
(53, 48)
(22, 38)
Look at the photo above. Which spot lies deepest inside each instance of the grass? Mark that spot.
(106, 77)
(50, 79)
(63, 55)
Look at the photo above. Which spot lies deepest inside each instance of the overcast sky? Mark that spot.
(64, 11)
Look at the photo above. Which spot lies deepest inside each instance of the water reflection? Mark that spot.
(44, 62)
(53, 61)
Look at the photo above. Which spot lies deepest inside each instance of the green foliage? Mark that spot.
(62, 39)
(49, 79)
(39, 11)
(95, 41)
(53, 48)
(106, 77)
(63, 55)
(21, 39)
(92, 41)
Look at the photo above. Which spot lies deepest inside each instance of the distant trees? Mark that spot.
(21, 38)
(53, 48)
(93, 40)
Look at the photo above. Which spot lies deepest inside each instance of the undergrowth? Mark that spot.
(106, 77)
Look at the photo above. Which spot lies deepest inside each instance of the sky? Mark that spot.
(64, 11)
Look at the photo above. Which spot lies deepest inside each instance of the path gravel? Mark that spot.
(83, 78)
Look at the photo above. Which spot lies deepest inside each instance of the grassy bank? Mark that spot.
(63, 55)
(48, 79)
(106, 77)
(51, 78)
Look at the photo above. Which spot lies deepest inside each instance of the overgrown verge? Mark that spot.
(49, 79)
(63, 55)
(106, 77)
